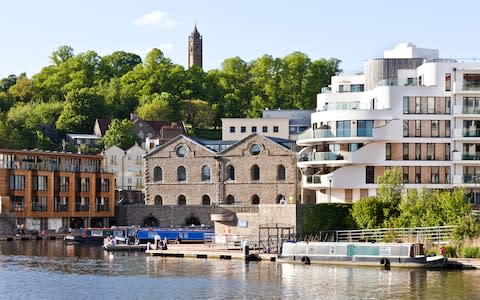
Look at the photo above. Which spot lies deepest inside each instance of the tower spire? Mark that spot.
(195, 48)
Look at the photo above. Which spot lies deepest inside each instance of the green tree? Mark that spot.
(197, 113)
(22, 90)
(390, 192)
(368, 212)
(120, 134)
(157, 107)
(118, 64)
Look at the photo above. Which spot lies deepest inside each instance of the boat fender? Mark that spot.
(385, 262)
(305, 260)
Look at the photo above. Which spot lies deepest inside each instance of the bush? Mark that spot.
(471, 252)
(450, 251)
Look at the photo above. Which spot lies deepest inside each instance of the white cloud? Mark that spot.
(158, 19)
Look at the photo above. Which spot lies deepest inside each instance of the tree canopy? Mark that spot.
(90, 86)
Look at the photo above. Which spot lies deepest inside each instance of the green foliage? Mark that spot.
(325, 217)
(120, 134)
(197, 113)
(471, 252)
(368, 212)
(468, 227)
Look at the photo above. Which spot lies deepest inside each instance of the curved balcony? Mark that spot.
(329, 158)
(312, 136)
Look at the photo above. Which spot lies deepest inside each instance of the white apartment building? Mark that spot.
(410, 110)
(127, 166)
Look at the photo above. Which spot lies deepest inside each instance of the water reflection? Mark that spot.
(74, 271)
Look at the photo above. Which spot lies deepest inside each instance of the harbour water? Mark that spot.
(56, 270)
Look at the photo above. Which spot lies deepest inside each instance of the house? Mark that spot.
(411, 110)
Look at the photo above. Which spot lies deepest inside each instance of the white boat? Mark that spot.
(385, 255)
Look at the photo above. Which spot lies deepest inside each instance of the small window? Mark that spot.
(264, 129)
(255, 200)
(205, 173)
(255, 173)
(205, 200)
(181, 200)
(275, 128)
(232, 129)
(243, 129)
(255, 149)
(254, 128)
(230, 173)
(280, 172)
(181, 151)
(158, 200)
(157, 174)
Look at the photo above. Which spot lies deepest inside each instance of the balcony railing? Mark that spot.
(61, 207)
(471, 110)
(102, 207)
(319, 156)
(313, 179)
(39, 207)
(471, 132)
(16, 206)
(475, 156)
(82, 207)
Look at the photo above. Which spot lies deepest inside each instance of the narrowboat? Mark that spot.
(188, 234)
(386, 255)
(96, 236)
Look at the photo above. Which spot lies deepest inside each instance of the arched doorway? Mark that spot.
(205, 200)
(181, 200)
(158, 200)
(192, 220)
(150, 221)
(230, 199)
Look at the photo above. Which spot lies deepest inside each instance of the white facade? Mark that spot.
(127, 166)
(426, 124)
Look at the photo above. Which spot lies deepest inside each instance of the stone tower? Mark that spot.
(195, 48)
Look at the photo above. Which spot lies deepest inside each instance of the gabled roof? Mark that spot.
(175, 140)
(103, 125)
(274, 141)
(158, 125)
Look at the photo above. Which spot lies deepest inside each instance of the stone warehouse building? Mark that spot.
(254, 170)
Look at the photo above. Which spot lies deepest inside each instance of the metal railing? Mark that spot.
(437, 233)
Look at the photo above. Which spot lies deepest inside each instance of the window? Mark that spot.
(39, 203)
(435, 175)
(102, 204)
(435, 128)
(388, 151)
(232, 129)
(364, 127)
(405, 174)
(103, 184)
(230, 199)
(418, 175)
(39, 183)
(158, 200)
(418, 105)
(255, 199)
(205, 173)
(275, 128)
(205, 200)
(254, 128)
(405, 104)
(448, 82)
(62, 183)
(255, 149)
(255, 172)
(280, 172)
(447, 151)
(264, 129)
(181, 173)
(418, 151)
(430, 151)
(405, 128)
(230, 172)
(61, 203)
(157, 174)
(83, 184)
(243, 129)
(181, 200)
(370, 174)
(418, 128)
(430, 105)
(181, 151)
(343, 128)
(17, 182)
(355, 88)
(405, 151)
(447, 105)
(447, 128)
(471, 82)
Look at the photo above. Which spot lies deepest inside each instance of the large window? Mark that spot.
(39, 183)
(435, 128)
(435, 175)
(103, 185)
(83, 184)
(370, 174)
(62, 183)
(430, 105)
(181, 173)
(405, 174)
(430, 151)
(364, 127)
(405, 104)
(344, 128)
(418, 151)
(157, 174)
(61, 203)
(280, 172)
(405, 151)
(255, 172)
(17, 182)
(39, 203)
(205, 173)
(230, 172)
(418, 105)
(418, 174)
(418, 128)
(471, 82)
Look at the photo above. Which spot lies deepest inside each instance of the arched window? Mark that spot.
(280, 172)
(255, 172)
(205, 173)
(157, 174)
(181, 200)
(181, 151)
(255, 199)
(158, 200)
(205, 200)
(230, 173)
(230, 199)
(181, 174)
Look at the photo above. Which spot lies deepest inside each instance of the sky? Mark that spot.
(350, 30)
